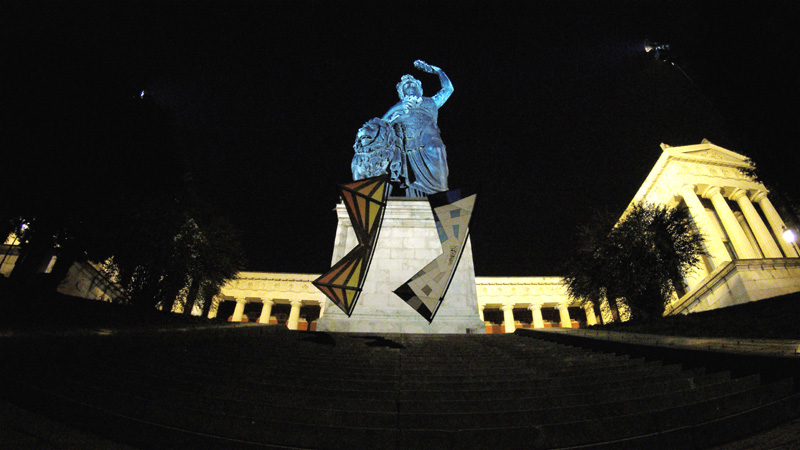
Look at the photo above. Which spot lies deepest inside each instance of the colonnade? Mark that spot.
(508, 315)
(747, 234)
(292, 322)
(565, 321)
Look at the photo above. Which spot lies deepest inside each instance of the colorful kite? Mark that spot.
(365, 201)
(426, 289)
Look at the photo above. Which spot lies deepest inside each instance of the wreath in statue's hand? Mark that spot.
(423, 66)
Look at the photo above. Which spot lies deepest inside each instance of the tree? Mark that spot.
(102, 178)
(88, 162)
(585, 269)
(217, 258)
(94, 167)
(642, 259)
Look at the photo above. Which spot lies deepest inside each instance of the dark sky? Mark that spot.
(557, 111)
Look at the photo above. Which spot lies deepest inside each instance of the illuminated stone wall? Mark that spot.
(504, 294)
(408, 242)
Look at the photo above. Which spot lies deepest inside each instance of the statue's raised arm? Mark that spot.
(447, 85)
(409, 89)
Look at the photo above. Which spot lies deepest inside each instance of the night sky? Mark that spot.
(557, 112)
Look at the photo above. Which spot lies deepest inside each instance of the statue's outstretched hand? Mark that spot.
(423, 66)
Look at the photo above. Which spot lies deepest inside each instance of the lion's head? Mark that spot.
(378, 146)
(373, 135)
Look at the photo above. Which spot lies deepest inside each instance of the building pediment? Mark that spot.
(698, 164)
(706, 152)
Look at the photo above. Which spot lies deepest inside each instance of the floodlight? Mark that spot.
(789, 235)
(660, 51)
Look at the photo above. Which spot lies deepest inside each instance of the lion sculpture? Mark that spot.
(379, 150)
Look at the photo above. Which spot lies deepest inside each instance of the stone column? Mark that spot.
(751, 238)
(735, 232)
(712, 240)
(605, 311)
(480, 312)
(508, 318)
(760, 231)
(266, 310)
(775, 222)
(564, 313)
(212, 311)
(294, 314)
(624, 310)
(239, 311)
(591, 319)
(321, 309)
(536, 312)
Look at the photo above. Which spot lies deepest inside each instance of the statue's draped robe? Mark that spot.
(427, 157)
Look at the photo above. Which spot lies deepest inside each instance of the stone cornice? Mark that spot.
(708, 153)
(277, 276)
(407, 209)
(650, 181)
(516, 281)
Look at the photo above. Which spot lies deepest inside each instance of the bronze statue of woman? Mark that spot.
(424, 149)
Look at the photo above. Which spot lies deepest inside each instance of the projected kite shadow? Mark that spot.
(425, 291)
(365, 201)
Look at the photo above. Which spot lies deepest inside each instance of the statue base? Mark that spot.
(408, 241)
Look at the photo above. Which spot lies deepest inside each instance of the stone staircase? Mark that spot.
(268, 388)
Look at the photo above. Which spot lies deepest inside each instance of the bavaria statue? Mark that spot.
(405, 142)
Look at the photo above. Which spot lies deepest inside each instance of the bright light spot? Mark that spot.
(24, 227)
(789, 236)
(141, 94)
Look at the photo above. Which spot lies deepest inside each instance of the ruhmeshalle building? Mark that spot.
(749, 258)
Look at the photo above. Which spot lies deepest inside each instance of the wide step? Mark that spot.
(281, 389)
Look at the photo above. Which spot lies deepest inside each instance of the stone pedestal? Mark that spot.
(408, 241)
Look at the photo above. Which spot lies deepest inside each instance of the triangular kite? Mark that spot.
(365, 201)
(425, 290)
